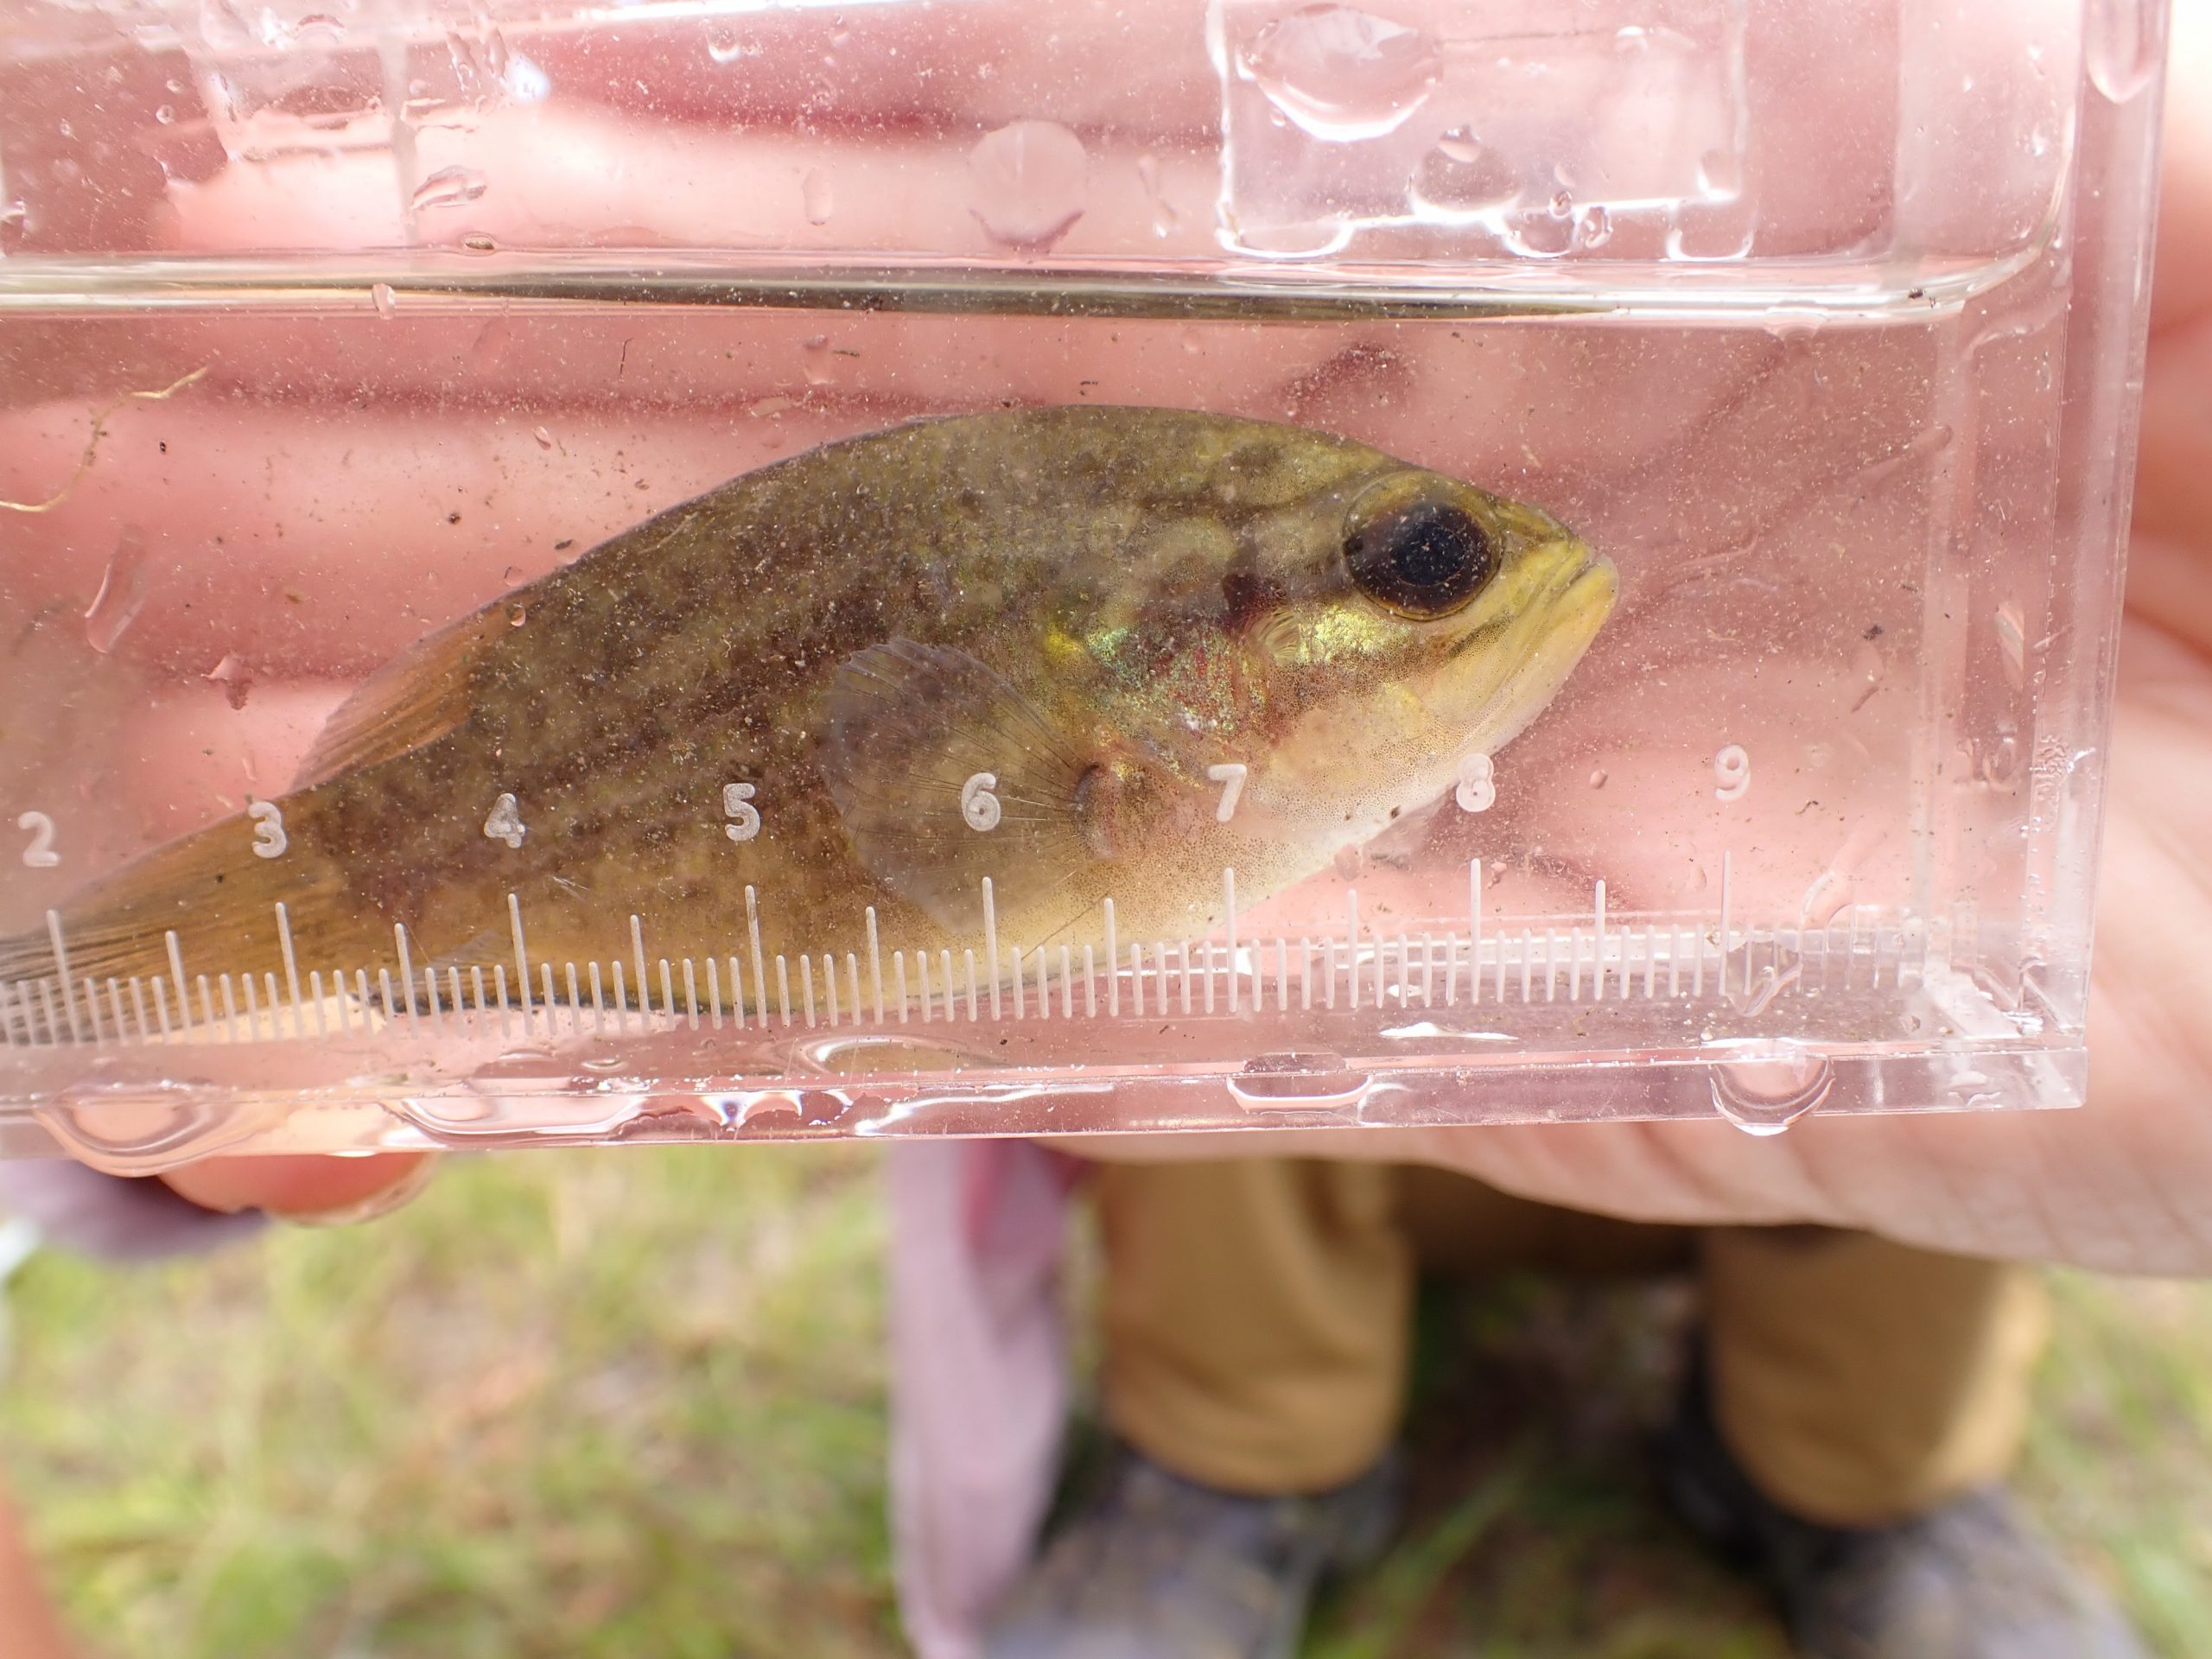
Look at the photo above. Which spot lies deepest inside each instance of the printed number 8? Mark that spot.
(1478, 789)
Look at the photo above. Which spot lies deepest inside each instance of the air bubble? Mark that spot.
(815, 195)
(123, 591)
(1593, 228)
(382, 297)
(1460, 146)
(1341, 73)
(1030, 182)
(1764, 1085)
(545, 438)
(235, 678)
(1165, 219)
(165, 113)
(723, 46)
(448, 187)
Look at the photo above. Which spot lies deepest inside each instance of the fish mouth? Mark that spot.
(1544, 644)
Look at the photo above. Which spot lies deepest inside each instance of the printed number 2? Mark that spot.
(1230, 775)
(268, 829)
(744, 816)
(40, 855)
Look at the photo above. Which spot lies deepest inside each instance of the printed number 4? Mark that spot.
(505, 821)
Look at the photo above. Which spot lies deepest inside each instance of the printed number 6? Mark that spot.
(737, 806)
(269, 840)
(1478, 789)
(977, 805)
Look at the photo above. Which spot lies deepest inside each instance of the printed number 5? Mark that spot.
(744, 816)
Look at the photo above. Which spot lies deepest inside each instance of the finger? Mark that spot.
(304, 1188)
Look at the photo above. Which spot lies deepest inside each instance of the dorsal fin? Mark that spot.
(415, 699)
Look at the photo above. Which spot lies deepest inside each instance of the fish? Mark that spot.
(941, 688)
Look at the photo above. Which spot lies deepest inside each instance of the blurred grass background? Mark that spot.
(585, 1404)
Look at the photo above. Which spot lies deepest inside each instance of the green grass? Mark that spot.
(582, 1404)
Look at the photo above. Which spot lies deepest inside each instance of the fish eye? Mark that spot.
(1421, 558)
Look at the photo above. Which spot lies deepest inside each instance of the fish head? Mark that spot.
(1416, 619)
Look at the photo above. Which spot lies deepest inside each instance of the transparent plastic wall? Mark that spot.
(335, 339)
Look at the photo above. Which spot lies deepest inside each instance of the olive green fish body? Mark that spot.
(1080, 653)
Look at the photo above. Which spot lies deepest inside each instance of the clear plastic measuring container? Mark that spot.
(717, 570)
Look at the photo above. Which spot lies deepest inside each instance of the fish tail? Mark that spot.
(205, 901)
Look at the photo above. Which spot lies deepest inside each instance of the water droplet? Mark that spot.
(1029, 181)
(816, 365)
(123, 590)
(382, 297)
(1829, 893)
(1460, 146)
(1342, 74)
(815, 196)
(1462, 176)
(165, 113)
(1763, 1085)
(1165, 219)
(1598, 778)
(545, 438)
(447, 186)
(723, 46)
(1541, 235)
(1593, 228)
(235, 678)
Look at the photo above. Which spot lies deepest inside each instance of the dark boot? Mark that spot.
(1154, 1566)
(1968, 1581)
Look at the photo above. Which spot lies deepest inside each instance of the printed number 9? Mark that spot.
(977, 805)
(737, 806)
(1732, 773)
(269, 840)
(1478, 789)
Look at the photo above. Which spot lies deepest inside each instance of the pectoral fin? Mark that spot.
(943, 774)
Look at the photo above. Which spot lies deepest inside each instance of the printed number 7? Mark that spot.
(1230, 776)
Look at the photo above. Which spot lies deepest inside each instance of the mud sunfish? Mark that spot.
(1085, 653)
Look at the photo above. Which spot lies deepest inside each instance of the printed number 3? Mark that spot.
(269, 840)
(40, 855)
(744, 816)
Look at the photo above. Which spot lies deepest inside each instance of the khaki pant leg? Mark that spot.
(1861, 1381)
(1255, 1318)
